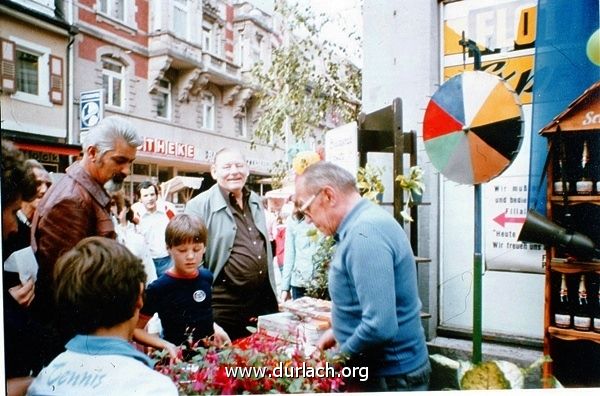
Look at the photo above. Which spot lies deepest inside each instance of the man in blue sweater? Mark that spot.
(372, 283)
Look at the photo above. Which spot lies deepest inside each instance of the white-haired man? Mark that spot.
(372, 282)
(238, 250)
(77, 207)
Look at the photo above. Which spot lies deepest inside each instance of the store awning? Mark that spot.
(49, 148)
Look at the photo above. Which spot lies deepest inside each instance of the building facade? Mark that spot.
(35, 43)
(178, 70)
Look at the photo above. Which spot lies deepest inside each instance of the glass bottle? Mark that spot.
(562, 313)
(582, 319)
(561, 184)
(596, 315)
(585, 185)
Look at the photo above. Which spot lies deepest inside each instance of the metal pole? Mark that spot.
(477, 274)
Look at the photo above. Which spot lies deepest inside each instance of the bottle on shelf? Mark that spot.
(561, 183)
(559, 186)
(562, 313)
(596, 310)
(584, 185)
(582, 318)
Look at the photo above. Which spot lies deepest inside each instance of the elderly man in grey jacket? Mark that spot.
(238, 250)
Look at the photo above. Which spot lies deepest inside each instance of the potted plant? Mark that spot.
(413, 186)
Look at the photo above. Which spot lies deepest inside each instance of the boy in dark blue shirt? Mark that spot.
(182, 295)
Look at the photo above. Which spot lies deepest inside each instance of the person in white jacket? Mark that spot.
(99, 292)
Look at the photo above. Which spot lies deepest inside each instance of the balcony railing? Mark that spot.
(220, 70)
(184, 53)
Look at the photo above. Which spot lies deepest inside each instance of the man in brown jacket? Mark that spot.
(78, 206)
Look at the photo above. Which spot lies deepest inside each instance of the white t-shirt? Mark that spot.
(152, 226)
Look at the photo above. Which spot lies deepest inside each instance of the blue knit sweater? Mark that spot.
(373, 287)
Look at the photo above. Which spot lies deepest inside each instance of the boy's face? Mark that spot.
(186, 257)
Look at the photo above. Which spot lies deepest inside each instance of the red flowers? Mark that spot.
(255, 364)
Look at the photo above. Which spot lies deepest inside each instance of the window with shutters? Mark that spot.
(113, 78)
(31, 73)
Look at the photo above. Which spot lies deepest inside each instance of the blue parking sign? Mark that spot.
(91, 108)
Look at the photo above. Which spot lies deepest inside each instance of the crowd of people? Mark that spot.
(114, 277)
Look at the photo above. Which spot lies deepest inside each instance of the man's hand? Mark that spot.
(23, 293)
(172, 349)
(327, 340)
(285, 295)
(220, 337)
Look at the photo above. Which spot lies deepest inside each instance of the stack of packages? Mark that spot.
(302, 321)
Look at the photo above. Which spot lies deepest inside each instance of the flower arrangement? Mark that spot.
(414, 185)
(255, 364)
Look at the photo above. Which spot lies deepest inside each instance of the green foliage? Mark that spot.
(486, 375)
(318, 286)
(368, 181)
(412, 184)
(498, 374)
(306, 80)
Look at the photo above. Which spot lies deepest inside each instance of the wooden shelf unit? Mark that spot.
(564, 346)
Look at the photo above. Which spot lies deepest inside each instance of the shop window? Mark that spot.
(141, 169)
(163, 99)
(113, 78)
(208, 111)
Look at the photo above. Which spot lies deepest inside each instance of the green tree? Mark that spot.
(307, 80)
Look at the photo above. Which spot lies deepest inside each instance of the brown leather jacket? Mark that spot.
(74, 208)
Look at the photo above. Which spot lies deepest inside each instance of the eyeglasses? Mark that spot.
(301, 213)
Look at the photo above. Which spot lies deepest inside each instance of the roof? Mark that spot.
(583, 114)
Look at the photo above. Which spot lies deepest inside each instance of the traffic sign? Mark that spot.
(91, 108)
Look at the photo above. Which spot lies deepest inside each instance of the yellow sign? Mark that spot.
(517, 72)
